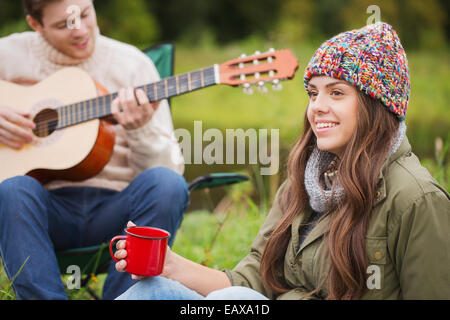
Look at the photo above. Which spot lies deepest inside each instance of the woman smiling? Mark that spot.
(358, 217)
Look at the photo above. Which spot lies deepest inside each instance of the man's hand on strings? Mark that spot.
(132, 108)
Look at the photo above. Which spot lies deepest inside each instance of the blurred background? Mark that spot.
(208, 32)
(221, 223)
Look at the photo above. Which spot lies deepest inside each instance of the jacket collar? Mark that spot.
(322, 223)
(403, 149)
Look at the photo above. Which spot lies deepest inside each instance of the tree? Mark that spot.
(418, 23)
(127, 21)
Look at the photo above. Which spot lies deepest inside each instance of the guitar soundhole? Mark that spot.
(46, 122)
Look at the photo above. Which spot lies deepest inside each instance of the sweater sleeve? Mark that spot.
(154, 144)
(15, 58)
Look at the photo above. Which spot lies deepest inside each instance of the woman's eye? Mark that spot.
(312, 94)
(336, 93)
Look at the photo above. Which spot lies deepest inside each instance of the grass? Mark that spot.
(7, 293)
(226, 234)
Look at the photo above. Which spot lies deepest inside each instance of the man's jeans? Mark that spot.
(34, 223)
(160, 288)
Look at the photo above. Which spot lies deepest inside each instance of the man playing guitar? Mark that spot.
(141, 182)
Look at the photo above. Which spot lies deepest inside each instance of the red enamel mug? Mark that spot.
(146, 250)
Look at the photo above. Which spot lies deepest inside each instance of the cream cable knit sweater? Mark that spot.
(114, 65)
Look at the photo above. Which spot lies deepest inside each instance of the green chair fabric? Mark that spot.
(163, 57)
(214, 180)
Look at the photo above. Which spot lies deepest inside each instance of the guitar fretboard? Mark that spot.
(99, 107)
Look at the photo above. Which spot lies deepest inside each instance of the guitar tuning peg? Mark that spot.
(247, 89)
(243, 55)
(270, 59)
(257, 52)
(277, 86)
(262, 88)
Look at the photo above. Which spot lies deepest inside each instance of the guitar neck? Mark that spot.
(100, 107)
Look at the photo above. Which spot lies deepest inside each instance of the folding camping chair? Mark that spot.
(95, 260)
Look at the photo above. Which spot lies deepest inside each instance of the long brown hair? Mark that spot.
(358, 171)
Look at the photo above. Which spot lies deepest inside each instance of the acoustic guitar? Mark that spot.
(73, 138)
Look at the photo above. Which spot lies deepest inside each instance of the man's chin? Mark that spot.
(81, 54)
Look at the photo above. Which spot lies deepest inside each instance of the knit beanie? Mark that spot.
(372, 59)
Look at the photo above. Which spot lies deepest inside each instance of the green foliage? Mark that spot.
(128, 21)
(294, 26)
(438, 166)
(10, 11)
(6, 286)
(225, 236)
(428, 115)
(225, 20)
(6, 292)
(13, 27)
(420, 24)
(12, 18)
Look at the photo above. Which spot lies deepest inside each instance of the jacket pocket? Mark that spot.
(376, 249)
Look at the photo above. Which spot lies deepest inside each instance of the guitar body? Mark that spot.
(74, 153)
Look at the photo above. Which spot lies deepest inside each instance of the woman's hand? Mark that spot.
(191, 274)
(121, 254)
(132, 108)
(15, 128)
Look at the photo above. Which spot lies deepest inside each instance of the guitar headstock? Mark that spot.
(259, 69)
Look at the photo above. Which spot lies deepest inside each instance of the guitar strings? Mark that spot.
(43, 125)
(172, 90)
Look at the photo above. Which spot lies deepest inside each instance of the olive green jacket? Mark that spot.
(407, 243)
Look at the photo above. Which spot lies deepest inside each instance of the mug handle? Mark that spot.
(113, 240)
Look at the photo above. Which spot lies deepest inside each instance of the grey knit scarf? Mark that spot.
(321, 198)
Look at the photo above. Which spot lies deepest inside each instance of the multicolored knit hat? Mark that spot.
(371, 59)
